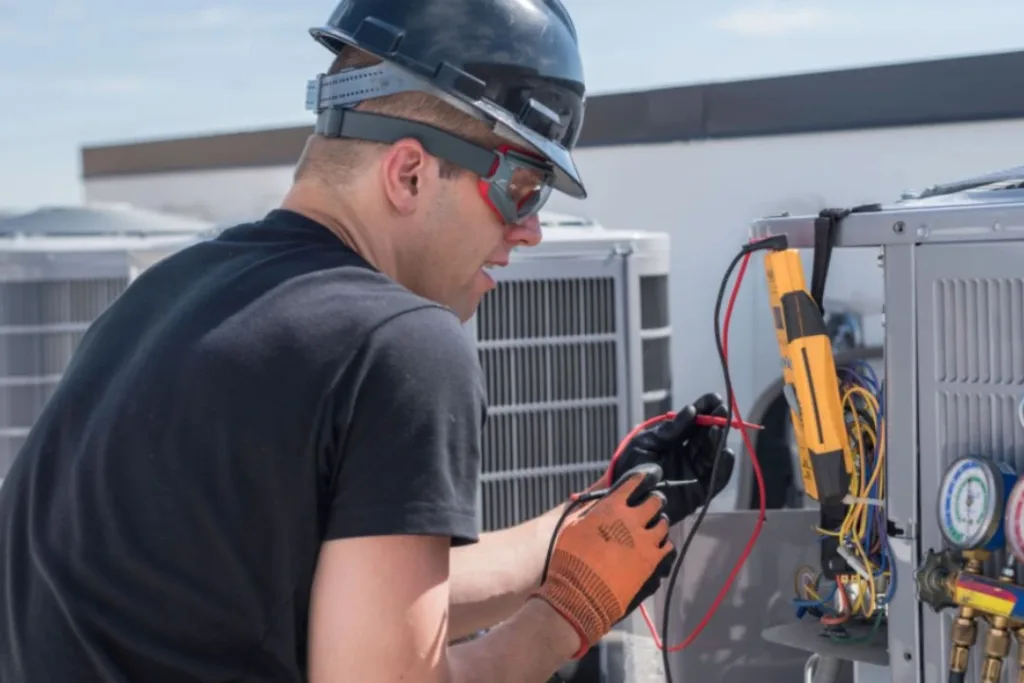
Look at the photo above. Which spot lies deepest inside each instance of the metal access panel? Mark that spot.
(730, 648)
(953, 263)
(574, 347)
(970, 340)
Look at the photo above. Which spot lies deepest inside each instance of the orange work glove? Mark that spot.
(606, 552)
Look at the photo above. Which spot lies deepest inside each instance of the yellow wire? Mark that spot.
(857, 513)
(854, 524)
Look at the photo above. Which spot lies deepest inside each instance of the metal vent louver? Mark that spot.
(656, 344)
(41, 324)
(554, 340)
(60, 268)
(549, 356)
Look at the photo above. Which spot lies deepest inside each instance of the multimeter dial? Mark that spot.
(1015, 520)
(971, 503)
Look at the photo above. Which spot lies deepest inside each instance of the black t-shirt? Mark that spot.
(243, 401)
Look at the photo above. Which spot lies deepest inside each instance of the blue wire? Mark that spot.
(861, 373)
(823, 603)
(892, 571)
(869, 371)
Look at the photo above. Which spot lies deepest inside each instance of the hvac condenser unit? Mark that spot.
(59, 269)
(574, 345)
(953, 263)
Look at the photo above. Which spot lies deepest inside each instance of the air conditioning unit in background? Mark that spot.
(59, 269)
(574, 345)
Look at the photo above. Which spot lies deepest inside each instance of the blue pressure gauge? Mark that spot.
(972, 503)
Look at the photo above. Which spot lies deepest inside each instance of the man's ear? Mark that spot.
(403, 167)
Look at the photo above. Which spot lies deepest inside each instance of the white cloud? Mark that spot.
(773, 20)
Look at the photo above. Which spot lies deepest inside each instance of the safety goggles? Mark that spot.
(514, 183)
(517, 185)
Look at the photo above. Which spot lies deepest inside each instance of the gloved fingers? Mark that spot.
(700, 452)
(679, 426)
(664, 568)
(715, 435)
(659, 528)
(709, 404)
(637, 454)
(726, 465)
(649, 439)
(634, 485)
(651, 508)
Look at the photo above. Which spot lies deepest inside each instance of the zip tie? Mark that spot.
(853, 500)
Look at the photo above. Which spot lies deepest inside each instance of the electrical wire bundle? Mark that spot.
(863, 594)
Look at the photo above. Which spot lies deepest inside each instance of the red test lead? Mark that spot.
(709, 420)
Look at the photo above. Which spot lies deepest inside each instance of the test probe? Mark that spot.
(732, 418)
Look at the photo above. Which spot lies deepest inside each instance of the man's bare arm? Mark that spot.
(491, 579)
(379, 614)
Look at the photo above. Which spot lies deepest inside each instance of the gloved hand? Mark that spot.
(606, 552)
(684, 450)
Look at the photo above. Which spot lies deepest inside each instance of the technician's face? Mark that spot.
(448, 237)
(470, 242)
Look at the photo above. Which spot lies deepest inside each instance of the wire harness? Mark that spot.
(864, 593)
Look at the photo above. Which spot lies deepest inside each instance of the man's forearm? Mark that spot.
(526, 648)
(491, 580)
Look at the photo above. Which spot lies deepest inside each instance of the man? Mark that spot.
(262, 462)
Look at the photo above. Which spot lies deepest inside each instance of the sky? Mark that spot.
(85, 72)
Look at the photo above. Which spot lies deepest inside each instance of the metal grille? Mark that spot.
(979, 331)
(549, 352)
(41, 324)
(979, 354)
(655, 345)
(972, 372)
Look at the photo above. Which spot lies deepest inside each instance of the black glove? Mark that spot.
(684, 450)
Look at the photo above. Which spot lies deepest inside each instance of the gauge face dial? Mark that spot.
(969, 506)
(1015, 520)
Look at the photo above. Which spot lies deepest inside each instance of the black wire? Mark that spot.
(573, 504)
(719, 447)
(771, 243)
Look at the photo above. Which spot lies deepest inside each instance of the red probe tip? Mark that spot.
(709, 420)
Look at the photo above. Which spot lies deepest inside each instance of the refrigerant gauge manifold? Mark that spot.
(972, 503)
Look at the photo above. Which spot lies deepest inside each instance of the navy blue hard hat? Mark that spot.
(514, 64)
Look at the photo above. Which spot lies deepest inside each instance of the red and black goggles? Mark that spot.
(514, 183)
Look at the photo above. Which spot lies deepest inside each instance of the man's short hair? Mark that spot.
(338, 158)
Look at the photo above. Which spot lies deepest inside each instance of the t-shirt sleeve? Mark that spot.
(410, 432)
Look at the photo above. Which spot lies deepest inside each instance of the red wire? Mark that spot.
(757, 474)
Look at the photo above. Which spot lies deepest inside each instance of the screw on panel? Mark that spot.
(898, 227)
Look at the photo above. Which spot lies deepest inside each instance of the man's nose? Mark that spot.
(527, 232)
